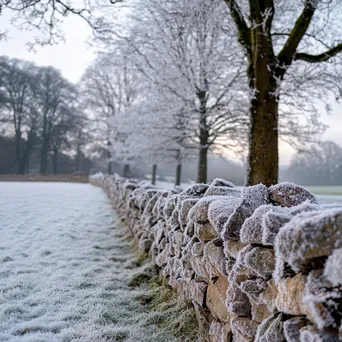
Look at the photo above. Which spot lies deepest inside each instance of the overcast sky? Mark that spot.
(74, 55)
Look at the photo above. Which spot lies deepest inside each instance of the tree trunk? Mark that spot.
(154, 174)
(263, 138)
(263, 145)
(55, 162)
(78, 159)
(203, 140)
(110, 167)
(178, 175)
(43, 158)
(202, 165)
(126, 170)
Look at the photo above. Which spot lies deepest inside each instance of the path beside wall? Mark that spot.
(259, 264)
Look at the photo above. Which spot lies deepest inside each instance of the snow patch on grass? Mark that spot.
(68, 272)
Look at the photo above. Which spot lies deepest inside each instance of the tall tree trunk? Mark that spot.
(55, 162)
(263, 145)
(154, 174)
(110, 167)
(178, 174)
(43, 158)
(126, 170)
(202, 170)
(263, 138)
(78, 159)
(18, 152)
(203, 139)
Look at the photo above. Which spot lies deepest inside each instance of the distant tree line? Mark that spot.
(42, 127)
(320, 165)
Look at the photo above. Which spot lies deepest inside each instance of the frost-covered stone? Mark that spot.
(333, 267)
(205, 232)
(261, 261)
(232, 248)
(216, 297)
(292, 328)
(312, 334)
(271, 329)
(220, 210)
(197, 249)
(222, 191)
(253, 287)
(237, 302)
(251, 230)
(197, 291)
(290, 295)
(243, 328)
(195, 190)
(252, 197)
(321, 300)
(213, 253)
(289, 195)
(184, 209)
(222, 182)
(219, 332)
(309, 236)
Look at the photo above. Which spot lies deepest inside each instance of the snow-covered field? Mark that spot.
(65, 267)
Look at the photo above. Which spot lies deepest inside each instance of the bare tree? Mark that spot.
(16, 86)
(54, 95)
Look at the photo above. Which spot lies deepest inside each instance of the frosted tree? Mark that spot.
(285, 39)
(109, 88)
(184, 50)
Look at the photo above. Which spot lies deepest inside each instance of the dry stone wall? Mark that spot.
(259, 264)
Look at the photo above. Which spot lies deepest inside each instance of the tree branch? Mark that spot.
(244, 34)
(286, 55)
(323, 57)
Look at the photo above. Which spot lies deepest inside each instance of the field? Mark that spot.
(326, 190)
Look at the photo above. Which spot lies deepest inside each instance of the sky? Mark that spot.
(74, 55)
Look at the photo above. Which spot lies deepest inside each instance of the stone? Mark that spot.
(237, 302)
(260, 312)
(195, 190)
(244, 328)
(232, 248)
(252, 229)
(197, 249)
(213, 253)
(271, 329)
(184, 209)
(216, 297)
(269, 295)
(289, 195)
(222, 182)
(220, 210)
(219, 332)
(252, 197)
(253, 288)
(205, 232)
(222, 191)
(312, 334)
(199, 212)
(292, 328)
(309, 236)
(261, 261)
(290, 295)
(322, 300)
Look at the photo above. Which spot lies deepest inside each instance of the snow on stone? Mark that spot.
(64, 268)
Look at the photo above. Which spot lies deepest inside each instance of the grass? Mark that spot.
(335, 190)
